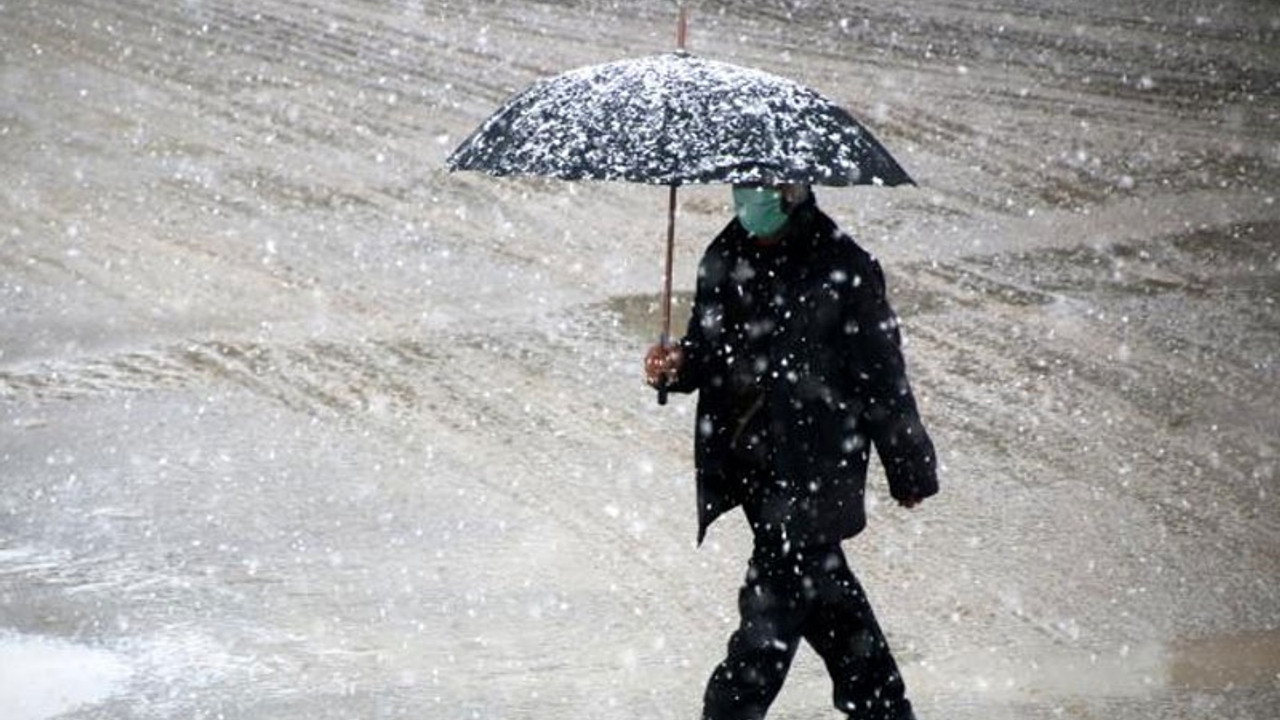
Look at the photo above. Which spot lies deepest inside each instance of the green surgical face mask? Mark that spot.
(759, 209)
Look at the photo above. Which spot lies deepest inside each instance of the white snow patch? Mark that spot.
(44, 677)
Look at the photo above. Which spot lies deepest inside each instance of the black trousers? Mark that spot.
(811, 594)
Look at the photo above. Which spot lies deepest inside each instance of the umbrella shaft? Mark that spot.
(666, 276)
(682, 33)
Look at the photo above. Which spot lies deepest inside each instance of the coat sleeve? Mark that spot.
(891, 416)
(702, 344)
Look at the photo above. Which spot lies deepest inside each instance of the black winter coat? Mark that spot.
(795, 355)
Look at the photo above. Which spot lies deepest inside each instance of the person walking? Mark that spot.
(796, 357)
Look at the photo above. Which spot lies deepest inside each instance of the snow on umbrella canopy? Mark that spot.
(674, 119)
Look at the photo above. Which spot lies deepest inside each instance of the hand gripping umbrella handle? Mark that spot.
(662, 379)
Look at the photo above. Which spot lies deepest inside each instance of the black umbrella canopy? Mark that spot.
(675, 119)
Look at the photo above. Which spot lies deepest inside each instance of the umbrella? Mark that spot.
(674, 119)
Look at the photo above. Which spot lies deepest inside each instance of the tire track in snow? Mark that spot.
(473, 388)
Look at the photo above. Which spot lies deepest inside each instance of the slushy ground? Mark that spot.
(294, 424)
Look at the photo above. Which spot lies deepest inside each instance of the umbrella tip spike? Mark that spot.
(682, 29)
